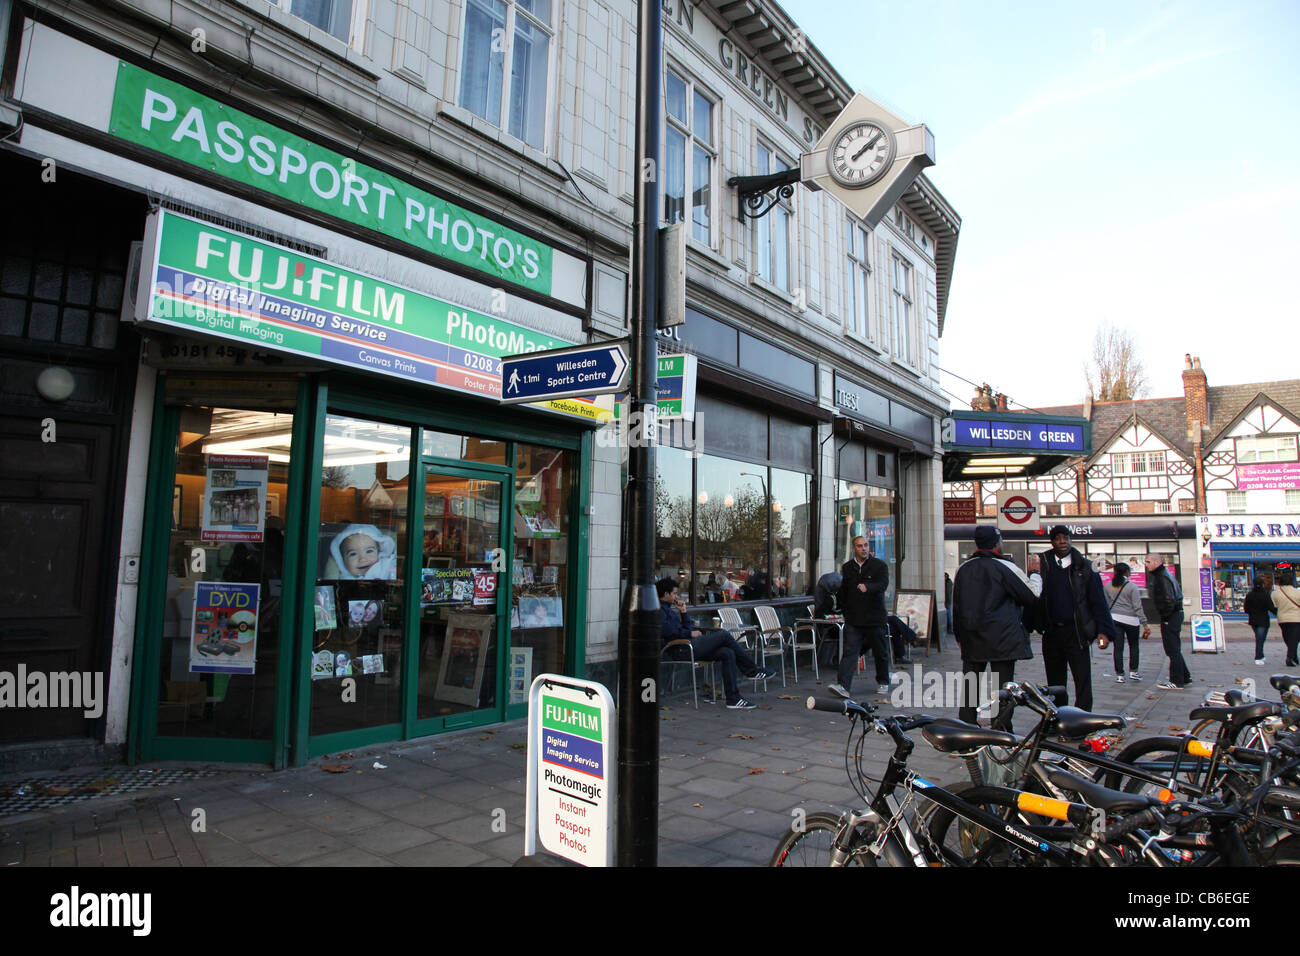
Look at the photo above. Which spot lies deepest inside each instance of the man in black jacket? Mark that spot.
(862, 601)
(989, 599)
(1168, 599)
(1073, 614)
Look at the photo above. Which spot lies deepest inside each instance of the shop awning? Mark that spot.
(980, 446)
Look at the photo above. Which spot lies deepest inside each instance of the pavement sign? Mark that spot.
(572, 770)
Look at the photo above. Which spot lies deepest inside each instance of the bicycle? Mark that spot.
(882, 835)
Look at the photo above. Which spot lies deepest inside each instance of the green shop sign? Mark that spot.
(178, 122)
(223, 283)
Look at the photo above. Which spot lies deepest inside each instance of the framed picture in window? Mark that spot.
(460, 674)
(916, 609)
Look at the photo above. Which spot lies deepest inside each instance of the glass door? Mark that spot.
(458, 667)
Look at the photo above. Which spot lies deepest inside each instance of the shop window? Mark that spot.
(690, 155)
(436, 444)
(1236, 502)
(1264, 448)
(772, 231)
(869, 511)
(673, 517)
(360, 570)
(540, 614)
(857, 282)
(731, 529)
(791, 508)
(505, 65)
(221, 634)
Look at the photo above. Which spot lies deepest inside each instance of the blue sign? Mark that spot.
(1028, 434)
(563, 373)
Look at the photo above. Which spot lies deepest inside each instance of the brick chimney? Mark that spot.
(999, 402)
(983, 400)
(1195, 397)
(1196, 405)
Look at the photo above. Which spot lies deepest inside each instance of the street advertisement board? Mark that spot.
(572, 770)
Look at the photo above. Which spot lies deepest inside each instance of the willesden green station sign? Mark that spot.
(172, 119)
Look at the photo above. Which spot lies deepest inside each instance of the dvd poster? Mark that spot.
(223, 638)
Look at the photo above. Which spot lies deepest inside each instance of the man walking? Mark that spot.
(862, 601)
(1073, 614)
(989, 599)
(1168, 599)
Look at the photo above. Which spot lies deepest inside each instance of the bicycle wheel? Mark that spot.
(812, 843)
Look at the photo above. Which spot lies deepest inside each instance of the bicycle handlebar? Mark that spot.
(849, 707)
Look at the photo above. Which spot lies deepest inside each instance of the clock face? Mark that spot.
(860, 154)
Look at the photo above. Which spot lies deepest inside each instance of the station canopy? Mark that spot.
(981, 446)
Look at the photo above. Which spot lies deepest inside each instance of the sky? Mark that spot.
(1136, 163)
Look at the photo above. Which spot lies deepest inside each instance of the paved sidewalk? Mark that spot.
(728, 783)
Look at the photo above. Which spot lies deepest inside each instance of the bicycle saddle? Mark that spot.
(1283, 683)
(1238, 717)
(1236, 697)
(1095, 795)
(1075, 724)
(957, 737)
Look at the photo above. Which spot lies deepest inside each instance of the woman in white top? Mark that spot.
(1127, 612)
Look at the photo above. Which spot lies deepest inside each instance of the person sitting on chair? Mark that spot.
(711, 645)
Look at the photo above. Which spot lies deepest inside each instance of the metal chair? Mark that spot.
(730, 619)
(771, 629)
(800, 626)
(694, 665)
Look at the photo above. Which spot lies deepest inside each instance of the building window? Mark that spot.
(905, 224)
(690, 156)
(335, 17)
(1138, 463)
(1236, 502)
(772, 231)
(1113, 508)
(1051, 510)
(857, 282)
(901, 315)
(1262, 448)
(1163, 507)
(505, 67)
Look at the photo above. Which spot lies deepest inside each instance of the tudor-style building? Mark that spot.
(1227, 454)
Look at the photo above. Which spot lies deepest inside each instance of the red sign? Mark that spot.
(958, 510)
(1018, 509)
(485, 587)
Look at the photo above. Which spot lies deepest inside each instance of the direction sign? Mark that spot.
(571, 770)
(563, 373)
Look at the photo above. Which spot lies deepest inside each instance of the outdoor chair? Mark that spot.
(803, 626)
(771, 629)
(694, 665)
(730, 619)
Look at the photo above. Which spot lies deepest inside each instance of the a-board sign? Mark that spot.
(572, 770)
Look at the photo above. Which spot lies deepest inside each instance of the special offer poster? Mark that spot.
(224, 635)
(234, 507)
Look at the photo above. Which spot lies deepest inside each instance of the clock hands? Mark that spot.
(869, 143)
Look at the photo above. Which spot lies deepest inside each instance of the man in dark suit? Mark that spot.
(862, 600)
